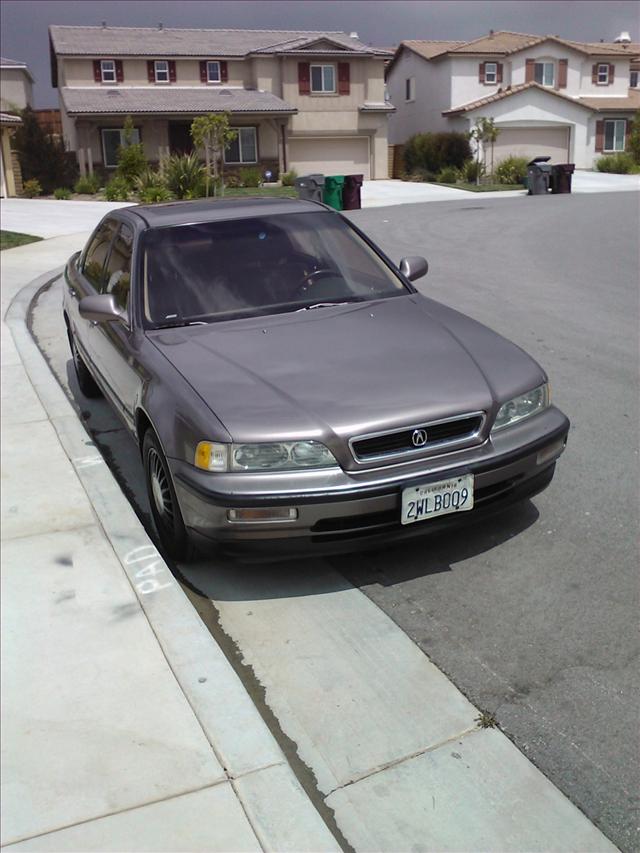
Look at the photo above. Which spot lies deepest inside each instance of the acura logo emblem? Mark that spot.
(419, 437)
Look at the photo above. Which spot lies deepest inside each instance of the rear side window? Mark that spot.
(93, 267)
(117, 274)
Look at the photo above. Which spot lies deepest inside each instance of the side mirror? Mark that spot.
(413, 267)
(101, 309)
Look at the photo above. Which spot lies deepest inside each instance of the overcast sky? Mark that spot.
(380, 22)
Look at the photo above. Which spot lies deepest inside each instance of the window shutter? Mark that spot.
(172, 71)
(627, 133)
(599, 135)
(224, 72)
(563, 66)
(481, 73)
(97, 71)
(151, 73)
(499, 73)
(304, 78)
(612, 72)
(344, 79)
(203, 71)
(530, 71)
(119, 71)
(594, 73)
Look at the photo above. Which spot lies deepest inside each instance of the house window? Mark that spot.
(112, 139)
(213, 72)
(603, 75)
(108, 70)
(410, 89)
(244, 148)
(323, 79)
(491, 72)
(633, 79)
(544, 73)
(161, 70)
(614, 132)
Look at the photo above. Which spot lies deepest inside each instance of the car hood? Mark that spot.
(333, 373)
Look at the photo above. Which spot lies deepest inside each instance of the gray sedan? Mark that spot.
(288, 386)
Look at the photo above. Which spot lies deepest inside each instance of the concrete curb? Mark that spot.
(279, 810)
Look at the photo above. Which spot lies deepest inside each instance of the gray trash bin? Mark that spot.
(538, 175)
(310, 187)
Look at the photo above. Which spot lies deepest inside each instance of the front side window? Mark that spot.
(614, 133)
(213, 72)
(117, 273)
(603, 74)
(161, 69)
(108, 70)
(244, 148)
(491, 72)
(544, 73)
(96, 254)
(323, 78)
(410, 89)
(112, 139)
(633, 79)
(216, 271)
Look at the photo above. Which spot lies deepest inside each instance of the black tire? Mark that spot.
(87, 383)
(163, 501)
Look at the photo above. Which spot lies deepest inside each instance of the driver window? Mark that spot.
(117, 276)
(93, 267)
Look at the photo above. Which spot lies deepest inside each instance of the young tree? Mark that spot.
(42, 157)
(482, 133)
(634, 138)
(213, 134)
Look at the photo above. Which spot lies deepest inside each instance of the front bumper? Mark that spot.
(337, 508)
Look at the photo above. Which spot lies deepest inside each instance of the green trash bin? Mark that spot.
(332, 195)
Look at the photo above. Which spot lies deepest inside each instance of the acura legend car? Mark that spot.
(289, 386)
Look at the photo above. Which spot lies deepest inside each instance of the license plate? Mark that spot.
(420, 503)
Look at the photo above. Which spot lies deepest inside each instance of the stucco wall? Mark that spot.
(16, 91)
(79, 72)
(432, 96)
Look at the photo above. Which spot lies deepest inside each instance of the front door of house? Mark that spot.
(180, 141)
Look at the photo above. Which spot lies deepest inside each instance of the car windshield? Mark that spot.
(256, 266)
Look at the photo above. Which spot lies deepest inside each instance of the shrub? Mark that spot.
(131, 162)
(289, 178)
(471, 170)
(62, 194)
(87, 184)
(43, 157)
(232, 181)
(149, 179)
(619, 164)
(250, 176)
(117, 189)
(634, 138)
(448, 175)
(435, 151)
(421, 175)
(31, 188)
(184, 175)
(511, 170)
(154, 194)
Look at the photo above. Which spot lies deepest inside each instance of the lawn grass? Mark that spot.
(267, 192)
(11, 239)
(483, 188)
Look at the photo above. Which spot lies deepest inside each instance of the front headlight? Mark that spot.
(522, 406)
(272, 456)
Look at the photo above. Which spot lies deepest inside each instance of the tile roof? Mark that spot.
(6, 118)
(629, 102)
(430, 49)
(15, 63)
(506, 93)
(168, 41)
(148, 99)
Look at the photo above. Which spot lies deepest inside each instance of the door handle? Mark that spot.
(72, 291)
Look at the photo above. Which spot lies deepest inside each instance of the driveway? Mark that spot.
(45, 217)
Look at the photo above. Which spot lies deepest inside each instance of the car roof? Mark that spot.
(213, 210)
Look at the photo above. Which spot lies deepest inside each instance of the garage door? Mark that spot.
(333, 156)
(533, 142)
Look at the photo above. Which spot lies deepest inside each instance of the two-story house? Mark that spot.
(570, 100)
(16, 85)
(309, 101)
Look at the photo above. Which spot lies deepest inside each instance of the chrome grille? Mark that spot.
(453, 431)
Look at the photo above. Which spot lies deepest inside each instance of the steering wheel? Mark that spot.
(311, 278)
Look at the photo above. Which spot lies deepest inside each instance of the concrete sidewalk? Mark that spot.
(124, 727)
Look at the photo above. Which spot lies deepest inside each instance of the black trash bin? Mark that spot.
(561, 177)
(310, 187)
(538, 175)
(351, 193)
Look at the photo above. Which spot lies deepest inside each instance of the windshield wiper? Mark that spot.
(329, 304)
(176, 324)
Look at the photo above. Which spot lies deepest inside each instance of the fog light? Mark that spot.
(287, 513)
(550, 452)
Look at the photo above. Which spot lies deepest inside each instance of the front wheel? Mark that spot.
(162, 499)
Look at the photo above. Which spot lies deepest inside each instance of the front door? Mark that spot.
(180, 141)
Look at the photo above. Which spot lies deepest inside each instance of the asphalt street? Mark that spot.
(534, 614)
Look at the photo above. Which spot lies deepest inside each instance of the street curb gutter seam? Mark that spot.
(233, 726)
